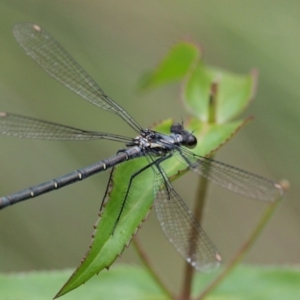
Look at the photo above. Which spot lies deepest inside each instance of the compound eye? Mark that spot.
(190, 141)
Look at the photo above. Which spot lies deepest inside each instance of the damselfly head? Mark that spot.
(188, 139)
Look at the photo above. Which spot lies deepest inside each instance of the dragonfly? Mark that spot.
(176, 220)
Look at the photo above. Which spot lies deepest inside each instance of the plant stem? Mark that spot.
(198, 213)
(243, 249)
(148, 265)
(199, 200)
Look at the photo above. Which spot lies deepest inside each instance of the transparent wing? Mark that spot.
(56, 61)
(181, 228)
(26, 127)
(232, 178)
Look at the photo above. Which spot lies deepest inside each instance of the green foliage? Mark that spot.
(134, 283)
(232, 95)
(173, 67)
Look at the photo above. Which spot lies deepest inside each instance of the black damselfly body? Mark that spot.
(174, 217)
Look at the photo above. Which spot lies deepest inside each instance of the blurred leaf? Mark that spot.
(134, 283)
(174, 66)
(122, 282)
(253, 282)
(233, 93)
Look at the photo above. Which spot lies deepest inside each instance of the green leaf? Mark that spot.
(109, 240)
(174, 66)
(196, 93)
(134, 283)
(233, 94)
(255, 282)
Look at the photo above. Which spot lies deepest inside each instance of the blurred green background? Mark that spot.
(116, 42)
